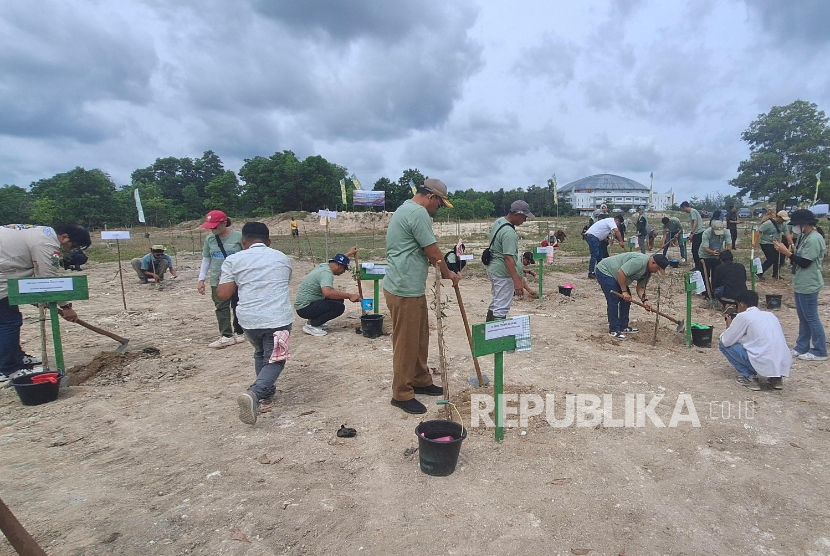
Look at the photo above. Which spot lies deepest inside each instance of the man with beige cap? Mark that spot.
(768, 233)
(411, 248)
(503, 268)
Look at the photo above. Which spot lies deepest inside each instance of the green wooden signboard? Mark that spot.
(375, 273)
(487, 339)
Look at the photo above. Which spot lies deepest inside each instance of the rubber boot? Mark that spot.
(490, 317)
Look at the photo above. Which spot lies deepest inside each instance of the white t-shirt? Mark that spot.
(603, 228)
(262, 275)
(763, 339)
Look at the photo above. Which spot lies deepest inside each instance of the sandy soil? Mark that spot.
(146, 454)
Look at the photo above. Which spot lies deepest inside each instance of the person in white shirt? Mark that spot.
(596, 234)
(755, 345)
(261, 275)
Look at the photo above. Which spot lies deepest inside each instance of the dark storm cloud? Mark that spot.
(801, 23)
(57, 64)
(388, 68)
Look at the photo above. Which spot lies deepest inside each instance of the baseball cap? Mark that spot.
(157, 248)
(340, 259)
(214, 218)
(717, 227)
(783, 214)
(521, 207)
(662, 261)
(438, 188)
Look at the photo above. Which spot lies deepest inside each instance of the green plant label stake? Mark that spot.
(496, 338)
(690, 288)
(375, 273)
(540, 254)
(24, 291)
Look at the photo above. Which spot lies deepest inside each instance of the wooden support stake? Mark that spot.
(442, 356)
(18, 537)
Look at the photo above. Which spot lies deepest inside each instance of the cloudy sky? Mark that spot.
(480, 93)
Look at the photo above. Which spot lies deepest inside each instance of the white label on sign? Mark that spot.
(116, 234)
(367, 265)
(376, 270)
(502, 328)
(327, 213)
(45, 285)
(467, 257)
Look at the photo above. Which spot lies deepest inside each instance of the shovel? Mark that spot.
(480, 379)
(123, 341)
(681, 324)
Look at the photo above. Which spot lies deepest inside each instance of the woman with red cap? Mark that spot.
(220, 244)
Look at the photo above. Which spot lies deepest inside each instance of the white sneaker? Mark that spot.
(239, 338)
(222, 342)
(812, 357)
(324, 326)
(794, 353)
(313, 330)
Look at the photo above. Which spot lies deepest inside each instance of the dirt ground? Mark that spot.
(146, 455)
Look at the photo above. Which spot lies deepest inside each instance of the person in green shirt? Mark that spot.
(807, 257)
(615, 274)
(411, 248)
(673, 229)
(696, 229)
(771, 230)
(221, 243)
(317, 300)
(503, 270)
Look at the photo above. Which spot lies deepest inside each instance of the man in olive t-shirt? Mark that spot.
(317, 300)
(410, 249)
(503, 270)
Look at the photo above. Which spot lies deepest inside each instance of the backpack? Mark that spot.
(458, 265)
(486, 255)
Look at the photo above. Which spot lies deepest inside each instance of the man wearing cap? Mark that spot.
(673, 230)
(715, 238)
(260, 275)
(807, 257)
(317, 300)
(755, 345)
(153, 265)
(695, 231)
(411, 248)
(503, 270)
(220, 244)
(770, 231)
(642, 229)
(596, 234)
(27, 251)
(615, 274)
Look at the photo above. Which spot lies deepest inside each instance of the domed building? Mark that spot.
(588, 194)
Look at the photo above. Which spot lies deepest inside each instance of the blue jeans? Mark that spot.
(809, 325)
(736, 354)
(596, 252)
(617, 308)
(266, 373)
(680, 243)
(11, 321)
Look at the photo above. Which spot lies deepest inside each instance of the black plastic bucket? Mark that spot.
(702, 335)
(371, 325)
(773, 301)
(439, 458)
(35, 394)
(565, 291)
(674, 263)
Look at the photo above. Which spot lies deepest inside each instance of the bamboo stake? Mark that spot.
(442, 358)
(657, 317)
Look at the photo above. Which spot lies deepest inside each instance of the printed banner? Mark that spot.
(138, 205)
(343, 190)
(356, 183)
(368, 198)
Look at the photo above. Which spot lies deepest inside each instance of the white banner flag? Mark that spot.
(138, 205)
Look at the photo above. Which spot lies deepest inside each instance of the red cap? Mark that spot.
(214, 218)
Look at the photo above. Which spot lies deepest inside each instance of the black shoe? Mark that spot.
(489, 317)
(410, 406)
(592, 276)
(430, 390)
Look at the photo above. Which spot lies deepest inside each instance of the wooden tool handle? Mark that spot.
(107, 333)
(635, 302)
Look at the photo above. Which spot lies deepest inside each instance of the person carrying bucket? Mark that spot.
(411, 248)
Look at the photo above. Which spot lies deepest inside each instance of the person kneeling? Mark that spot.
(317, 300)
(755, 345)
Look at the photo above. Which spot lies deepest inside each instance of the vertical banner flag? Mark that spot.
(651, 190)
(138, 205)
(356, 183)
(412, 187)
(818, 182)
(343, 190)
(555, 192)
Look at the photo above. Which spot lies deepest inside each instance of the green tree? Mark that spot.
(223, 192)
(46, 211)
(15, 205)
(788, 146)
(84, 196)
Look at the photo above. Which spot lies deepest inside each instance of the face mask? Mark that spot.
(797, 230)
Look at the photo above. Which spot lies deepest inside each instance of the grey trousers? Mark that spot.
(266, 373)
(502, 290)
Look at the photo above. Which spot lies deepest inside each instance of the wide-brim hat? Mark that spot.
(803, 216)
